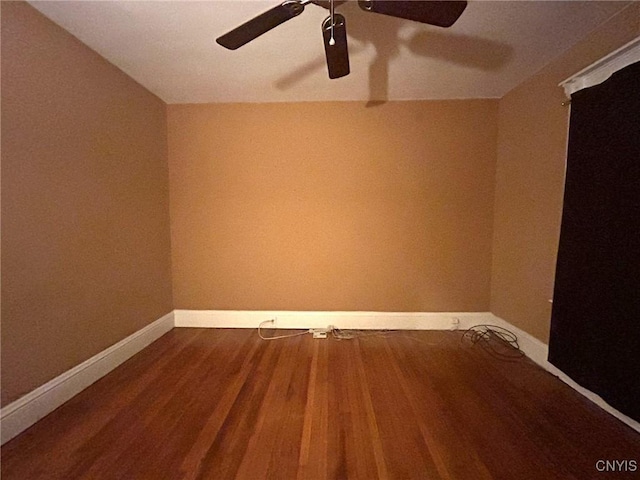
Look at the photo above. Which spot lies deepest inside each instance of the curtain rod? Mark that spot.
(602, 69)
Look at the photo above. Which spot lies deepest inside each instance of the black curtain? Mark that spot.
(595, 321)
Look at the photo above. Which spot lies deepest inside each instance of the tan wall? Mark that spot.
(332, 206)
(85, 227)
(530, 180)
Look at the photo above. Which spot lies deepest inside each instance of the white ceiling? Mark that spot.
(169, 47)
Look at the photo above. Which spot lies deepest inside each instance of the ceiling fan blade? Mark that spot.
(439, 13)
(335, 46)
(261, 24)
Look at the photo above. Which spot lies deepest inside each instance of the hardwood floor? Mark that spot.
(223, 404)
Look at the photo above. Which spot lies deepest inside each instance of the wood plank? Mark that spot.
(224, 404)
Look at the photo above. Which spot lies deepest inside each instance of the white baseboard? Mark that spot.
(24, 412)
(539, 352)
(311, 319)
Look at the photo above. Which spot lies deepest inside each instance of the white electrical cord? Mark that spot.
(278, 336)
(351, 334)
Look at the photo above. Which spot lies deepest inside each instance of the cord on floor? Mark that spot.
(277, 337)
(497, 341)
(351, 334)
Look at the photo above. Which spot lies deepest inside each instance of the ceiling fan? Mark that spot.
(442, 13)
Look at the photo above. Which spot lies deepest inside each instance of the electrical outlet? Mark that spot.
(270, 323)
